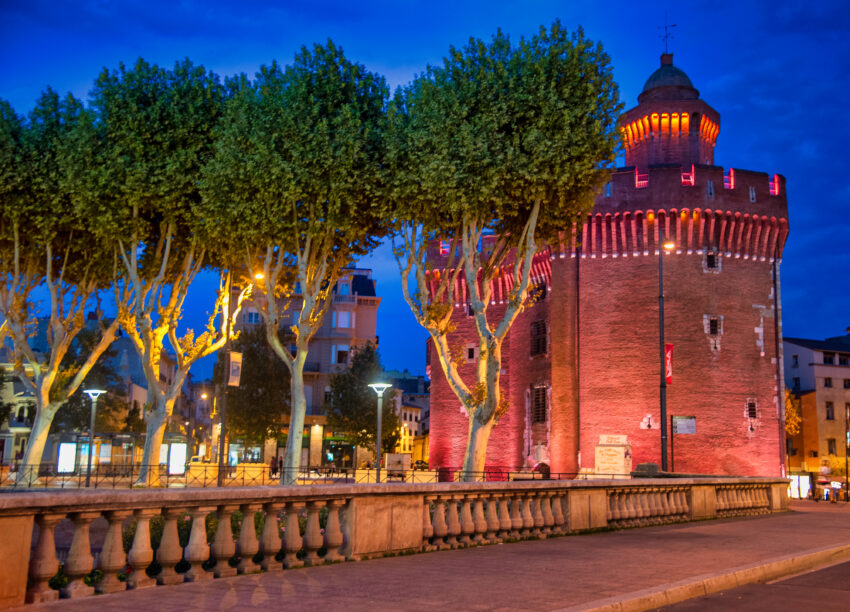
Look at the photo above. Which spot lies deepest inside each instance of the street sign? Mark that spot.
(684, 424)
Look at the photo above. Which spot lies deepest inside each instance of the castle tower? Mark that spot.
(599, 373)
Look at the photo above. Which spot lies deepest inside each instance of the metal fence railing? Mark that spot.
(109, 476)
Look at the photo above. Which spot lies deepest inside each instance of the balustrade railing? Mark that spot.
(167, 536)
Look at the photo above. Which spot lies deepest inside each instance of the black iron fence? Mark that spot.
(108, 476)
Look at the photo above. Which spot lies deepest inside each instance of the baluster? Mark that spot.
(333, 533)
(505, 521)
(247, 545)
(467, 527)
(44, 563)
(112, 556)
(527, 516)
(170, 552)
(684, 501)
(478, 520)
(560, 522)
(454, 522)
(613, 510)
(427, 526)
(292, 537)
(492, 519)
(624, 505)
(546, 508)
(80, 561)
(141, 553)
(537, 514)
(652, 504)
(270, 541)
(441, 528)
(673, 502)
(223, 545)
(516, 515)
(312, 534)
(197, 550)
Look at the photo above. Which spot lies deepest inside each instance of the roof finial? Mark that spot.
(667, 33)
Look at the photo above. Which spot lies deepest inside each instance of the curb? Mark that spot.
(707, 584)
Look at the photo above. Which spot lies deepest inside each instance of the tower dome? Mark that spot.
(670, 124)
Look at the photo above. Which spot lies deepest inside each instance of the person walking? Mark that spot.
(273, 467)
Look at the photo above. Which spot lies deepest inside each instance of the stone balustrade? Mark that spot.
(360, 521)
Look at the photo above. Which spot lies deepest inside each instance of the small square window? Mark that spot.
(827, 382)
(830, 411)
(752, 411)
(829, 358)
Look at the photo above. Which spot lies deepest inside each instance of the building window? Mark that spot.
(752, 409)
(471, 353)
(711, 261)
(328, 396)
(469, 311)
(752, 194)
(830, 411)
(796, 383)
(344, 288)
(251, 318)
(537, 293)
(847, 383)
(843, 359)
(340, 353)
(538, 405)
(609, 188)
(538, 338)
(343, 319)
(713, 326)
(830, 446)
(795, 361)
(829, 358)
(827, 382)
(709, 189)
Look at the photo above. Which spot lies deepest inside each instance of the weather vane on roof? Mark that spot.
(668, 35)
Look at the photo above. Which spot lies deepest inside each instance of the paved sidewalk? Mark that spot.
(602, 570)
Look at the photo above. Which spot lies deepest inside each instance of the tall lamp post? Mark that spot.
(666, 246)
(846, 447)
(379, 388)
(93, 395)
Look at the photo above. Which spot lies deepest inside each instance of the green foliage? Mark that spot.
(297, 157)
(256, 408)
(497, 127)
(353, 407)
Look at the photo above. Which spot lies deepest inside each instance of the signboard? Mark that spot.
(613, 439)
(684, 424)
(668, 363)
(235, 369)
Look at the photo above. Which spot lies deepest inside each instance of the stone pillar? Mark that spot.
(247, 546)
(223, 546)
(44, 564)
(197, 550)
(141, 553)
(333, 533)
(170, 552)
(112, 556)
(80, 560)
(316, 438)
(270, 540)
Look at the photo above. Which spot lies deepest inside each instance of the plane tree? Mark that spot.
(497, 152)
(53, 270)
(294, 186)
(151, 137)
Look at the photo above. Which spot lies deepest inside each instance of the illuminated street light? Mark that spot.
(668, 245)
(379, 388)
(93, 394)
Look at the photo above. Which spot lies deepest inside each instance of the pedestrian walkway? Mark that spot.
(630, 569)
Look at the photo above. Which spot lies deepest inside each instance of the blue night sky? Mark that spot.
(777, 72)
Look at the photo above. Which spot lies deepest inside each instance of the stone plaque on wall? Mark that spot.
(613, 456)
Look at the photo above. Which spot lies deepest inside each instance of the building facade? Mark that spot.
(583, 363)
(818, 374)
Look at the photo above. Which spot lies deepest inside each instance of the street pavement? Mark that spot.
(643, 568)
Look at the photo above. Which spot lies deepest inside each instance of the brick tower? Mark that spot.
(585, 361)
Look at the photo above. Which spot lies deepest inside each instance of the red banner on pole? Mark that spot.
(668, 363)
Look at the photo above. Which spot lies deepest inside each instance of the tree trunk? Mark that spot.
(476, 448)
(292, 458)
(31, 462)
(154, 432)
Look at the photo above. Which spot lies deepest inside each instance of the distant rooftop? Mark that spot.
(838, 343)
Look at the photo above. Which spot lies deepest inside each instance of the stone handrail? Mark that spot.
(361, 521)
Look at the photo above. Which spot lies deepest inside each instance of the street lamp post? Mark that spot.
(379, 388)
(93, 395)
(666, 246)
(846, 446)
